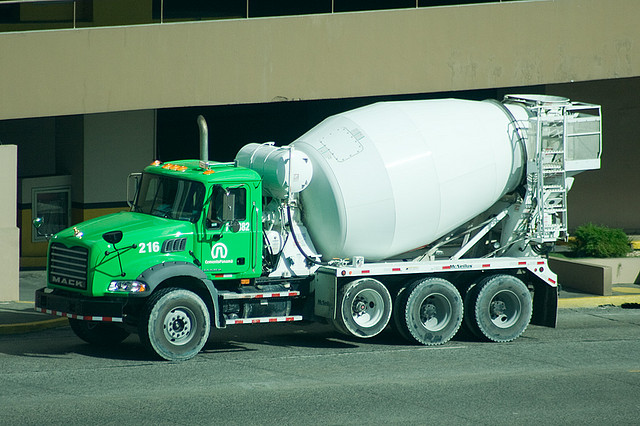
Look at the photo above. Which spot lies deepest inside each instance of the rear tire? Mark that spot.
(469, 321)
(364, 308)
(98, 333)
(501, 308)
(175, 324)
(429, 311)
(399, 308)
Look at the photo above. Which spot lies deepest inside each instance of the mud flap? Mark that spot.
(545, 305)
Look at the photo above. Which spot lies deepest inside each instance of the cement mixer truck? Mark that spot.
(417, 216)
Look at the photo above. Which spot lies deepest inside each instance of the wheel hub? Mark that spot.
(428, 311)
(505, 309)
(360, 306)
(178, 326)
(498, 310)
(435, 312)
(367, 308)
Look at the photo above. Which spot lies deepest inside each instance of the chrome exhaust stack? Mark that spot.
(204, 139)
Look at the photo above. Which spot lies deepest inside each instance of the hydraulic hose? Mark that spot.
(295, 240)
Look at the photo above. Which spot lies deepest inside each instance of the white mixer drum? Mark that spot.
(394, 176)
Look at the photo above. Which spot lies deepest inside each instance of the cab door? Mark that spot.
(229, 241)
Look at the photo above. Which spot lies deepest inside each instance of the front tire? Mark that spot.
(175, 324)
(98, 333)
(364, 308)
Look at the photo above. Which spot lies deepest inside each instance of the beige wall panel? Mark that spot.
(9, 232)
(9, 264)
(9, 186)
(317, 56)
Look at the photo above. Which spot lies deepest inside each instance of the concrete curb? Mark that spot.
(28, 327)
(596, 301)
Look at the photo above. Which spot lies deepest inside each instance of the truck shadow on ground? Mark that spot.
(308, 336)
(59, 343)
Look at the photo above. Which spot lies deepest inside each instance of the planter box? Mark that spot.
(624, 270)
(596, 275)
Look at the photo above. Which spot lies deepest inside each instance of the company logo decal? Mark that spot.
(68, 281)
(219, 254)
(219, 250)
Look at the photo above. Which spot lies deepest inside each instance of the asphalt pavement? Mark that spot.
(17, 317)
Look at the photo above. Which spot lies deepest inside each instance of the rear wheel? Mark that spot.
(98, 333)
(429, 311)
(499, 307)
(398, 322)
(364, 308)
(175, 324)
(469, 322)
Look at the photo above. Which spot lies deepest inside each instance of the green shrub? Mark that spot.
(599, 241)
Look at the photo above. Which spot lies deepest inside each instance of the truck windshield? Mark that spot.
(170, 197)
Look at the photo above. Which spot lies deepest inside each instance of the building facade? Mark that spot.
(94, 89)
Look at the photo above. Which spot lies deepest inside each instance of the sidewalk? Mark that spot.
(20, 317)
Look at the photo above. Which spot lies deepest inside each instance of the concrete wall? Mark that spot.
(35, 139)
(69, 153)
(623, 270)
(97, 151)
(49, 73)
(596, 276)
(9, 233)
(609, 196)
(115, 144)
(582, 275)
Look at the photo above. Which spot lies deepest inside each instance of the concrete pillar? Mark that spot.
(9, 232)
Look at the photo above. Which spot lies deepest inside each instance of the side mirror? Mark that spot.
(112, 237)
(228, 207)
(38, 222)
(229, 212)
(133, 185)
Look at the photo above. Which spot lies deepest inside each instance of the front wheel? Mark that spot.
(175, 324)
(364, 308)
(98, 333)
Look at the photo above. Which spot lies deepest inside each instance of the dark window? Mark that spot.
(227, 197)
(259, 8)
(170, 198)
(46, 12)
(426, 3)
(199, 9)
(357, 5)
(9, 13)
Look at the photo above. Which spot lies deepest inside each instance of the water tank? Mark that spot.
(394, 176)
(283, 170)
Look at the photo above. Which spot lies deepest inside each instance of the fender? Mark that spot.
(156, 275)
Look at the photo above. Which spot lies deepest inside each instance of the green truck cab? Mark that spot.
(191, 223)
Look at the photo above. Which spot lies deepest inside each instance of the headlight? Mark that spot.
(127, 287)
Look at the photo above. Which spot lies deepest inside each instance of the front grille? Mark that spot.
(68, 266)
